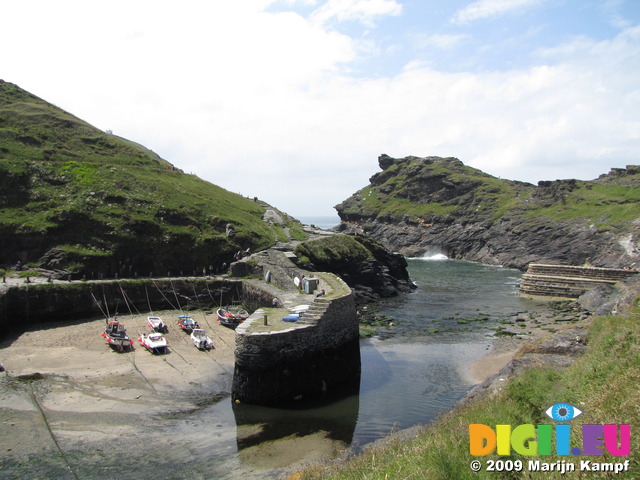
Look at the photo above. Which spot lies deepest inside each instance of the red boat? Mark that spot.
(230, 318)
(187, 324)
(116, 335)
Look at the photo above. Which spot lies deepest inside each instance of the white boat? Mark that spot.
(201, 340)
(299, 309)
(154, 342)
(231, 317)
(157, 324)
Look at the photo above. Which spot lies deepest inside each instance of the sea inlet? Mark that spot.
(416, 363)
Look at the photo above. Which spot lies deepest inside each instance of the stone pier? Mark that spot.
(568, 281)
(314, 358)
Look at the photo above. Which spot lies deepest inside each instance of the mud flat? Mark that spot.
(531, 329)
(72, 407)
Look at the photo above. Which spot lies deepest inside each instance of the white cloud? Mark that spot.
(612, 9)
(481, 9)
(439, 41)
(259, 103)
(364, 11)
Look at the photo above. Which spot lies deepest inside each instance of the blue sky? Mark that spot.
(293, 100)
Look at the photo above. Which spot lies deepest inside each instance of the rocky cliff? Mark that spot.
(419, 205)
(371, 271)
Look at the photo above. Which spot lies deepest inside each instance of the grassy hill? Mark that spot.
(95, 202)
(427, 188)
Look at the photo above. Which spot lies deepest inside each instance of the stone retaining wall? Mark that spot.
(568, 281)
(23, 306)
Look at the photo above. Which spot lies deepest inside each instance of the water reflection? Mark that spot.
(407, 379)
(276, 438)
(407, 383)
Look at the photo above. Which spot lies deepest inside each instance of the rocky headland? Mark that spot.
(418, 205)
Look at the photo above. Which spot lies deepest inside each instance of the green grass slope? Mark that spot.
(100, 203)
(435, 189)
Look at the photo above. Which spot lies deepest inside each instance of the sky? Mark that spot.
(293, 101)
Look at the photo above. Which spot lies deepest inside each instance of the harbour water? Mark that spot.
(413, 368)
(411, 372)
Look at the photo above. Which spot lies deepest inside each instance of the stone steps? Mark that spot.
(558, 286)
(616, 274)
(315, 312)
(568, 281)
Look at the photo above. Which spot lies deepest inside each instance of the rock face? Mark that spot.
(371, 271)
(418, 205)
(94, 205)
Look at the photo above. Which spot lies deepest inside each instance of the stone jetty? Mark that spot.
(569, 281)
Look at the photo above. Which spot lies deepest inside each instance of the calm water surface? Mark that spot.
(410, 372)
(419, 367)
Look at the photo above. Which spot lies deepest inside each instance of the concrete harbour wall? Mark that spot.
(26, 305)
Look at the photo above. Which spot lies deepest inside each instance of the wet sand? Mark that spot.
(65, 388)
(68, 397)
(72, 407)
(134, 380)
(503, 349)
(489, 365)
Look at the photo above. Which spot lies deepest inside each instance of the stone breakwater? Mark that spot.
(569, 281)
(312, 359)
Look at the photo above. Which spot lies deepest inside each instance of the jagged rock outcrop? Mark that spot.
(415, 205)
(371, 271)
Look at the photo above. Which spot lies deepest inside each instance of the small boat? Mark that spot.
(201, 340)
(157, 324)
(116, 335)
(230, 318)
(154, 342)
(187, 324)
(299, 309)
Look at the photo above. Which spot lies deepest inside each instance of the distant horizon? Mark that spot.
(320, 221)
